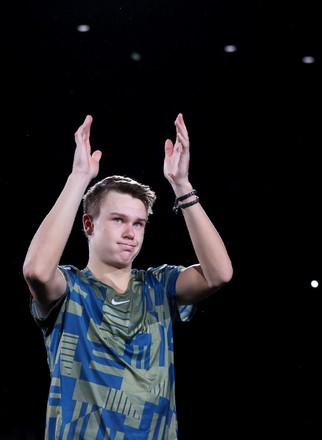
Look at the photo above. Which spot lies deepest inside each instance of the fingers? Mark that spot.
(88, 119)
(181, 131)
(84, 129)
(180, 125)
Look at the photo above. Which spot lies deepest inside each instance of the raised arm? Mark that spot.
(45, 281)
(214, 266)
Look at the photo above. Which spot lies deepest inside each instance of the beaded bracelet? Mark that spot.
(178, 205)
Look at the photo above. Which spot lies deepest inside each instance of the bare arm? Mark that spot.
(214, 266)
(45, 281)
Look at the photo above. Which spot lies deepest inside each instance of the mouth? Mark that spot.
(127, 247)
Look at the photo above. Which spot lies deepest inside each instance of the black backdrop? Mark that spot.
(248, 363)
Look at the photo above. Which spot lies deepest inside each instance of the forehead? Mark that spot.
(116, 202)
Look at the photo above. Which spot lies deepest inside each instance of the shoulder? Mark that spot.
(164, 270)
(165, 274)
(71, 272)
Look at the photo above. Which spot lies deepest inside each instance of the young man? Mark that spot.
(108, 328)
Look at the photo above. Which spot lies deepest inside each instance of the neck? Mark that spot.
(117, 278)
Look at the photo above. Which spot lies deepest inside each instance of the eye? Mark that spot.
(139, 225)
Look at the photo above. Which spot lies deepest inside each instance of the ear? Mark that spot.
(88, 224)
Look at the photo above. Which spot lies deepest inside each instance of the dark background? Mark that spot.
(249, 363)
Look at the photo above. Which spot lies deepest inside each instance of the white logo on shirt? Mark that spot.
(116, 303)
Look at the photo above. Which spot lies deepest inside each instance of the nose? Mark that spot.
(129, 231)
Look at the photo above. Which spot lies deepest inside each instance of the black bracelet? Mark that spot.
(185, 205)
(176, 205)
(185, 196)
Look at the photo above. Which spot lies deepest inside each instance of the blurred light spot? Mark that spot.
(308, 60)
(83, 28)
(230, 48)
(135, 56)
(314, 283)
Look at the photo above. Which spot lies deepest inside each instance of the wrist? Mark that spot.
(185, 200)
(181, 190)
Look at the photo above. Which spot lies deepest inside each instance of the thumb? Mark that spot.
(168, 147)
(97, 155)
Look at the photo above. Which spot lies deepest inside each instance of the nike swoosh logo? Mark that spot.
(116, 303)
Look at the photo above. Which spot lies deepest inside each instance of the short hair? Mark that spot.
(93, 197)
